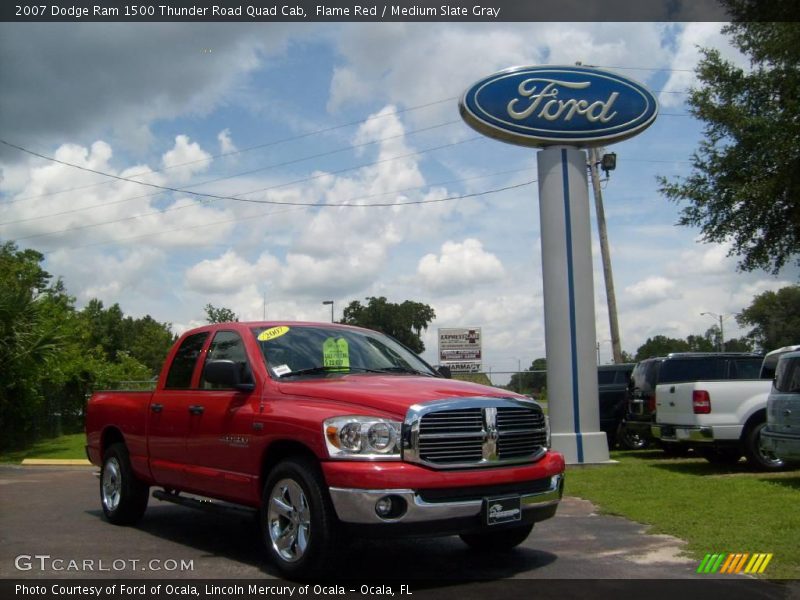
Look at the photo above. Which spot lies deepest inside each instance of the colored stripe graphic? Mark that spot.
(736, 562)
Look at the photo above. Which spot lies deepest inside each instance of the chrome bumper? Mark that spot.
(358, 506)
(682, 433)
(782, 445)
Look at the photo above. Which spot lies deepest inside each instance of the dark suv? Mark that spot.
(612, 392)
(676, 368)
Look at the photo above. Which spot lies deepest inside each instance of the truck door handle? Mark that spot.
(672, 390)
(156, 407)
(196, 409)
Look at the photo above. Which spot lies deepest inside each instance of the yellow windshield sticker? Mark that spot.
(272, 333)
(336, 353)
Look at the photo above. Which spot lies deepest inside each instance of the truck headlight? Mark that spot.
(362, 438)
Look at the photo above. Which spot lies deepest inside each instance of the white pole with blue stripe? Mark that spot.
(568, 286)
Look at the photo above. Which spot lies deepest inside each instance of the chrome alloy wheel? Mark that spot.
(289, 520)
(112, 484)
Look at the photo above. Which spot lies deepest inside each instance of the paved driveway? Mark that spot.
(55, 512)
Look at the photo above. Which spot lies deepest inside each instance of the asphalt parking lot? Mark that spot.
(55, 512)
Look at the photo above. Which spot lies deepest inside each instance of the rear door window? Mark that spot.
(745, 368)
(605, 377)
(182, 367)
(680, 369)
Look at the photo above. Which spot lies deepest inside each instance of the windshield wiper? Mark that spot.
(327, 369)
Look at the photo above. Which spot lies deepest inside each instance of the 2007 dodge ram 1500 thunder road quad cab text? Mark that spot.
(328, 431)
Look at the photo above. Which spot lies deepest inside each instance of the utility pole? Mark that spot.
(611, 296)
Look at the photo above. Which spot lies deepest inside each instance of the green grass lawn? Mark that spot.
(715, 509)
(65, 446)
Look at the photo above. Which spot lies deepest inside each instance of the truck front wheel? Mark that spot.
(503, 539)
(122, 495)
(298, 524)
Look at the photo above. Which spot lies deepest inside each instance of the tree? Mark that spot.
(27, 340)
(744, 187)
(405, 322)
(143, 339)
(528, 382)
(660, 345)
(220, 315)
(774, 318)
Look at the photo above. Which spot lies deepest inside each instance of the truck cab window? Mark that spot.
(180, 372)
(227, 345)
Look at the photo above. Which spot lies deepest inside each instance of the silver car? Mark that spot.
(781, 436)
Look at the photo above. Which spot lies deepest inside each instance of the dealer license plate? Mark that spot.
(502, 510)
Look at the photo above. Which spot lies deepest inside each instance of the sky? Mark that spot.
(330, 114)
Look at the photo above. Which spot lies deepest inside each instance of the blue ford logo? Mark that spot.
(543, 106)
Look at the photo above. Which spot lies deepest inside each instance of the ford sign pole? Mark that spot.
(562, 110)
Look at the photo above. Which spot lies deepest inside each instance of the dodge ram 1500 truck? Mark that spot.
(327, 431)
(721, 419)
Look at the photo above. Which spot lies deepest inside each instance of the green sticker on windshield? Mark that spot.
(336, 353)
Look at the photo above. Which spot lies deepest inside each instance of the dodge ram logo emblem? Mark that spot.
(490, 433)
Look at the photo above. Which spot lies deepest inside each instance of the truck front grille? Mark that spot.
(475, 433)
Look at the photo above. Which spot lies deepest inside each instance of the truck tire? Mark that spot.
(631, 440)
(723, 457)
(122, 495)
(674, 449)
(297, 520)
(757, 457)
(494, 541)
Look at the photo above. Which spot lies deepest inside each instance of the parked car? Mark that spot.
(327, 431)
(612, 383)
(781, 436)
(723, 420)
(673, 368)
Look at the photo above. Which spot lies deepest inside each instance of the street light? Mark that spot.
(721, 333)
(331, 303)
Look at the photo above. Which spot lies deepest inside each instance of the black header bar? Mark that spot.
(379, 10)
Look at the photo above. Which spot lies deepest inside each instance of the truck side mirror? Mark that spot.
(444, 371)
(225, 373)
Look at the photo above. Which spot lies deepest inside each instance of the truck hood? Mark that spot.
(393, 394)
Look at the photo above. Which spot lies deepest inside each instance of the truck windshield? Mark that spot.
(296, 351)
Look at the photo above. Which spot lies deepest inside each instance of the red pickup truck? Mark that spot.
(328, 431)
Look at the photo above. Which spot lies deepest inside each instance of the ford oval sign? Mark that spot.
(549, 105)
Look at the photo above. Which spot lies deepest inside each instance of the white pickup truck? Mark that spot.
(721, 419)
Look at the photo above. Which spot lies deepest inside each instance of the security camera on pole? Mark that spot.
(564, 110)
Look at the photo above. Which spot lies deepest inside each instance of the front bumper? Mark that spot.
(682, 433)
(440, 501)
(358, 506)
(781, 445)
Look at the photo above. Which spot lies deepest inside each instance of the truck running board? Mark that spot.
(204, 505)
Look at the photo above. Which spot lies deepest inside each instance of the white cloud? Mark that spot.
(459, 265)
(226, 145)
(652, 290)
(690, 39)
(59, 206)
(229, 273)
(185, 159)
(405, 63)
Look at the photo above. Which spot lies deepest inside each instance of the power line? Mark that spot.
(241, 174)
(300, 207)
(351, 202)
(645, 69)
(248, 149)
(236, 197)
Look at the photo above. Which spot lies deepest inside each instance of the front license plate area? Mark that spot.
(502, 510)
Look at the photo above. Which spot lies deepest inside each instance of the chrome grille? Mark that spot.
(474, 432)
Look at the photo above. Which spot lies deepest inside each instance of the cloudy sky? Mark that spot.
(331, 114)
